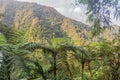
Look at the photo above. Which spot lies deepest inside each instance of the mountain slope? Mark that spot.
(20, 13)
(49, 21)
(23, 14)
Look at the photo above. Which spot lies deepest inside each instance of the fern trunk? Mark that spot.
(54, 64)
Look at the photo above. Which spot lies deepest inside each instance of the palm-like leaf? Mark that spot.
(55, 51)
(11, 62)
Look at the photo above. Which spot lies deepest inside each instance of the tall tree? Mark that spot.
(54, 53)
(100, 11)
(104, 57)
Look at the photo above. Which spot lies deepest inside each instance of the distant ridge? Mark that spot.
(24, 14)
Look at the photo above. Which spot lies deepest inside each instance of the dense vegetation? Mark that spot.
(51, 52)
(28, 57)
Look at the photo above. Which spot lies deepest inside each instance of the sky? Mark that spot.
(66, 8)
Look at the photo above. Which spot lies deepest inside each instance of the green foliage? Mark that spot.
(66, 61)
(60, 41)
(12, 64)
(11, 34)
(2, 39)
(32, 34)
(4, 29)
(57, 54)
(48, 53)
(100, 11)
(104, 58)
(15, 36)
(97, 29)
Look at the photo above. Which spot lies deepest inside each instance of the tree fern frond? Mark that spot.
(33, 46)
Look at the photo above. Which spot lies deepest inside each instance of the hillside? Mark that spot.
(24, 14)
(47, 19)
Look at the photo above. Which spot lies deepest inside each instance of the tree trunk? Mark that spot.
(54, 64)
(115, 74)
